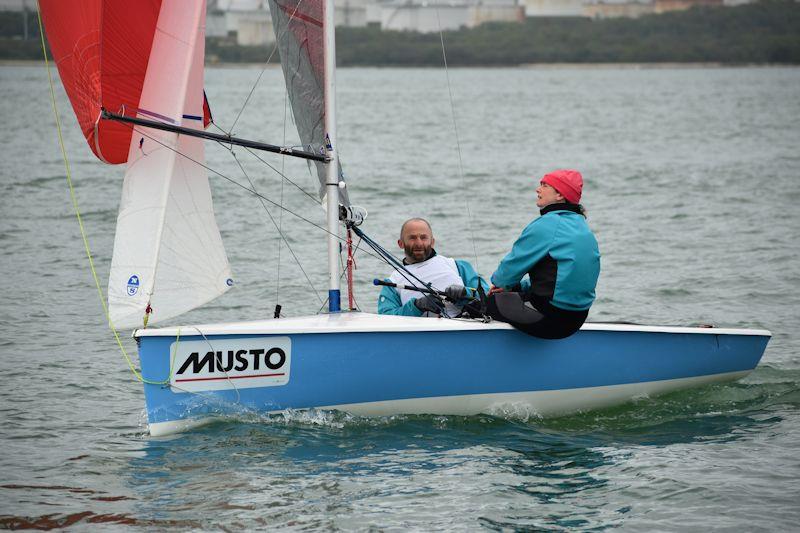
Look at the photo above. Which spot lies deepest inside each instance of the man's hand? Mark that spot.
(455, 293)
(495, 290)
(429, 304)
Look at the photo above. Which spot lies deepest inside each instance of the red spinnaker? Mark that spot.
(102, 48)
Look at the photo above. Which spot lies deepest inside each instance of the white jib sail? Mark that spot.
(168, 252)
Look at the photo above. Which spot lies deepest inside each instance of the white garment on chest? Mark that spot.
(439, 271)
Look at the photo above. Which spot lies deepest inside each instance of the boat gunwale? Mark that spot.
(357, 322)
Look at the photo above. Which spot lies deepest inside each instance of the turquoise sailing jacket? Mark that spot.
(389, 302)
(560, 254)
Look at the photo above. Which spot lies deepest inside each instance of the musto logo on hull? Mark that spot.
(235, 364)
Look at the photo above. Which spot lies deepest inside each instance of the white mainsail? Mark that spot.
(168, 252)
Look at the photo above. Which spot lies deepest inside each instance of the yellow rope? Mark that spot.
(80, 223)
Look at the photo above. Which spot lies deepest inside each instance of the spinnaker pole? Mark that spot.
(332, 181)
(224, 139)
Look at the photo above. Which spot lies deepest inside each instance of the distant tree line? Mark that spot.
(765, 32)
(19, 35)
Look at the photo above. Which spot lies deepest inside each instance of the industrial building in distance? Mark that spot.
(248, 22)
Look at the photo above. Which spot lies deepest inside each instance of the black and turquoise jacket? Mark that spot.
(559, 253)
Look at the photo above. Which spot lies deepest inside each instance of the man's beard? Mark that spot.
(418, 255)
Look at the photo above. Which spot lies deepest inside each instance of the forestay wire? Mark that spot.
(458, 142)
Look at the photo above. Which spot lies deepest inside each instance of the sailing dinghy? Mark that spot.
(134, 74)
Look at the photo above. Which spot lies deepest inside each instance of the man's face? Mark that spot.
(546, 195)
(417, 241)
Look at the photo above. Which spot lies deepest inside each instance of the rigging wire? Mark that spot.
(269, 58)
(137, 374)
(390, 259)
(254, 154)
(384, 255)
(280, 173)
(281, 236)
(280, 213)
(233, 181)
(458, 142)
(280, 233)
(251, 191)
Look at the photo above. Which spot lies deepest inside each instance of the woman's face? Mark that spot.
(546, 195)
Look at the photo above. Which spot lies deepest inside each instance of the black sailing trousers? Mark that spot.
(545, 322)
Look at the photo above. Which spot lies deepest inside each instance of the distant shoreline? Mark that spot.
(762, 34)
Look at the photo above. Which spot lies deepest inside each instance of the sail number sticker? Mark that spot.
(236, 364)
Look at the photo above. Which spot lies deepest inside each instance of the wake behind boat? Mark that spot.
(141, 102)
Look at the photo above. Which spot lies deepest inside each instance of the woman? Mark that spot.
(559, 254)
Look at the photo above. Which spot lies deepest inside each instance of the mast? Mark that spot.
(332, 181)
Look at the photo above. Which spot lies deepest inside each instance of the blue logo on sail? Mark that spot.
(133, 285)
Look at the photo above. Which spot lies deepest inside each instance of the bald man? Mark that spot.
(443, 273)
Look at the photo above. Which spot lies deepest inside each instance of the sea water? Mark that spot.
(692, 185)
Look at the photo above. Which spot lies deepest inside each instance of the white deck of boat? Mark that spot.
(357, 322)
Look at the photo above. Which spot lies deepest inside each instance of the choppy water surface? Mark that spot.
(693, 181)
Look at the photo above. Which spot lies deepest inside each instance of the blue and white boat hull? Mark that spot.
(382, 365)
